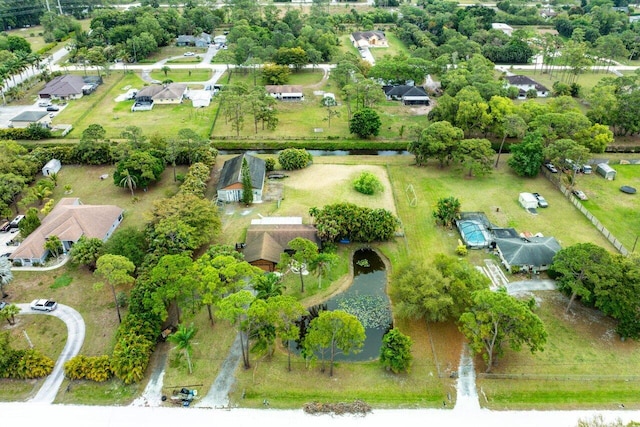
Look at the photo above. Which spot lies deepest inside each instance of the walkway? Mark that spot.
(75, 339)
(218, 395)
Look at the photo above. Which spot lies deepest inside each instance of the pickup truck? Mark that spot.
(43, 305)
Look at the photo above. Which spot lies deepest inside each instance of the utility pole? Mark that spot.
(48, 8)
(59, 7)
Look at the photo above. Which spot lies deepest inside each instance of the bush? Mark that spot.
(294, 158)
(95, 368)
(367, 183)
(462, 250)
(270, 164)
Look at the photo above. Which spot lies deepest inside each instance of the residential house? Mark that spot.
(148, 96)
(266, 241)
(409, 95)
(69, 86)
(527, 253)
(524, 84)
(366, 39)
(199, 97)
(202, 40)
(230, 183)
(548, 13)
(69, 220)
(26, 118)
(507, 29)
(52, 166)
(285, 92)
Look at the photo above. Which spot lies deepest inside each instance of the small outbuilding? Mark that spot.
(606, 171)
(52, 166)
(528, 201)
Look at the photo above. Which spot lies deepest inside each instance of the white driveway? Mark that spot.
(75, 338)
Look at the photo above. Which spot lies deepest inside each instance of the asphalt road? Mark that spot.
(75, 338)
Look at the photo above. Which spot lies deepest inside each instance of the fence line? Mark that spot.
(574, 200)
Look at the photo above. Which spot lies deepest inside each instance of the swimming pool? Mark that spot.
(474, 234)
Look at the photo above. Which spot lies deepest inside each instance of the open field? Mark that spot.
(182, 75)
(172, 51)
(101, 108)
(253, 77)
(32, 34)
(616, 210)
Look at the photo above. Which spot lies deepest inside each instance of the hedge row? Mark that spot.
(96, 368)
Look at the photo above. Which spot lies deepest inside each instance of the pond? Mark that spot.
(367, 299)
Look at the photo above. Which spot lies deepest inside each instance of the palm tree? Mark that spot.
(53, 176)
(322, 264)
(165, 70)
(6, 276)
(9, 313)
(128, 181)
(182, 339)
(269, 285)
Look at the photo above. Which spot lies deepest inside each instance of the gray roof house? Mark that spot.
(69, 220)
(524, 84)
(202, 40)
(64, 87)
(26, 118)
(285, 92)
(230, 183)
(146, 97)
(409, 95)
(526, 253)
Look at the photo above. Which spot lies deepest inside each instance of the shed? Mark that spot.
(528, 200)
(52, 166)
(606, 171)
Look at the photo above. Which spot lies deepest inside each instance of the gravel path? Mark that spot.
(152, 394)
(218, 395)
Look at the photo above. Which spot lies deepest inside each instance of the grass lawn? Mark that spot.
(182, 75)
(101, 108)
(171, 51)
(617, 211)
(396, 47)
(253, 78)
(32, 34)
(587, 80)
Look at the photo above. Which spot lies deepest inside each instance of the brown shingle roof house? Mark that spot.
(69, 220)
(266, 242)
(68, 86)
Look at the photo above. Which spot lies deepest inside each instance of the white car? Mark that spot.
(189, 54)
(43, 305)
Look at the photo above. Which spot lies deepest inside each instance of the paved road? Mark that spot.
(75, 338)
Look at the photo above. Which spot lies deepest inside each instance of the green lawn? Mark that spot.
(396, 47)
(617, 211)
(101, 108)
(172, 51)
(252, 77)
(181, 75)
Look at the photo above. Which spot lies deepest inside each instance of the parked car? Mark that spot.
(43, 305)
(3, 305)
(551, 167)
(542, 202)
(6, 226)
(580, 195)
(53, 108)
(44, 103)
(16, 221)
(189, 54)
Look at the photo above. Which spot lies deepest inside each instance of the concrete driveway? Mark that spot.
(75, 339)
(9, 112)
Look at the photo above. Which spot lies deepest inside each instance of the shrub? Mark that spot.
(367, 183)
(270, 164)
(294, 158)
(462, 250)
(95, 368)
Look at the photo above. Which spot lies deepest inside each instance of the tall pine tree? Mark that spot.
(247, 189)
